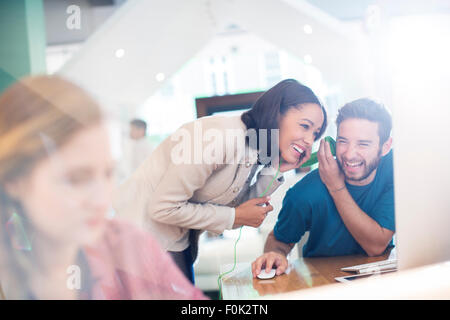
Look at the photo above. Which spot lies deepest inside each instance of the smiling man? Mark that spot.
(347, 204)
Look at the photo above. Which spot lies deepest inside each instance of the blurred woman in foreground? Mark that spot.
(55, 193)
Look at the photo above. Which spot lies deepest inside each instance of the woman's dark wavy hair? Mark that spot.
(275, 102)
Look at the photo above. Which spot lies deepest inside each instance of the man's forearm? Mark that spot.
(366, 231)
(272, 244)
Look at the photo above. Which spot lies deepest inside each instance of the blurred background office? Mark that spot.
(159, 60)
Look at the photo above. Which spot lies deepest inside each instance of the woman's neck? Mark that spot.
(50, 277)
(54, 256)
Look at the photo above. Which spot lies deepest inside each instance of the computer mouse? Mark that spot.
(266, 275)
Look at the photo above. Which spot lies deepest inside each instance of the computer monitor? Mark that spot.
(421, 132)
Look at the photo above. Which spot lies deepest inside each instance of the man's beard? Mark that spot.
(368, 168)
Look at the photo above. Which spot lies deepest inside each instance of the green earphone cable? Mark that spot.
(239, 237)
(313, 160)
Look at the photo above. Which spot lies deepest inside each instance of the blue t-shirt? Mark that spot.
(308, 206)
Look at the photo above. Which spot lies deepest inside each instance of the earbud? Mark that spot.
(313, 159)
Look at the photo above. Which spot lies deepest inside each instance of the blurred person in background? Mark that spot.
(55, 193)
(136, 148)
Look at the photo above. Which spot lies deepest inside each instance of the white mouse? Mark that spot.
(266, 275)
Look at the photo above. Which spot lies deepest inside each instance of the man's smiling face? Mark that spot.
(358, 150)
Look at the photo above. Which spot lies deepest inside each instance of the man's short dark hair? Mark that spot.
(368, 109)
(139, 124)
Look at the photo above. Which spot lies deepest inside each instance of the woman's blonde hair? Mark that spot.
(33, 111)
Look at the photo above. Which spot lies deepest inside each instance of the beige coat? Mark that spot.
(168, 198)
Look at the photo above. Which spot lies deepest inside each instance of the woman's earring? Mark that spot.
(17, 233)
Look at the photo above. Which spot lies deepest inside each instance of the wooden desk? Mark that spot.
(304, 273)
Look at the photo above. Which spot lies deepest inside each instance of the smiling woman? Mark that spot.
(299, 128)
(177, 200)
(296, 111)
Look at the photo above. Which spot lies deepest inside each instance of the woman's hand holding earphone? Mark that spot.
(252, 212)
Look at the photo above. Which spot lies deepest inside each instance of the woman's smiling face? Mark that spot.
(299, 128)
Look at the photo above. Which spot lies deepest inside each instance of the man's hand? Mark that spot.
(329, 170)
(268, 260)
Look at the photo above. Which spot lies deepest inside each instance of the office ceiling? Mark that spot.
(96, 12)
(355, 9)
(344, 9)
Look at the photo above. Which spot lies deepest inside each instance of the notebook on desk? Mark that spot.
(390, 264)
(384, 265)
(366, 270)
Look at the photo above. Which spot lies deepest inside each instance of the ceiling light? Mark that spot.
(120, 53)
(307, 29)
(160, 77)
(308, 59)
